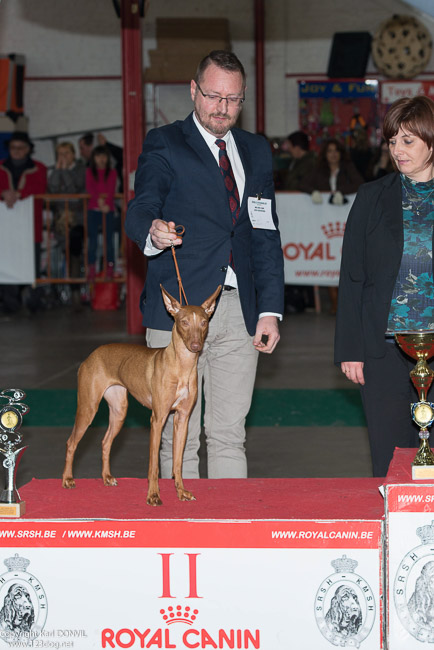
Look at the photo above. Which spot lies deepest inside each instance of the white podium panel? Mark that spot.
(190, 584)
(410, 556)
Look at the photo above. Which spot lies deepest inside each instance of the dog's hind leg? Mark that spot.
(117, 400)
(89, 395)
(83, 419)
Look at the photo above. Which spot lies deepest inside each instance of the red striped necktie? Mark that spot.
(229, 180)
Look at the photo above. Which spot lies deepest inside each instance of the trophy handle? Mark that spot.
(11, 461)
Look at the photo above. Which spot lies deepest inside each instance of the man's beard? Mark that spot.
(216, 128)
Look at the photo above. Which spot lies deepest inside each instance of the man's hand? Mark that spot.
(10, 197)
(163, 234)
(267, 327)
(353, 370)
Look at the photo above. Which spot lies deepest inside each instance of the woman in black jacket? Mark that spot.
(386, 281)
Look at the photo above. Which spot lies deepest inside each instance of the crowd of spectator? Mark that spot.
(295, 163)
(336, 171)
(98, 172)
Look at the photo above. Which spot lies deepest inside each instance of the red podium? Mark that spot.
(250, 564)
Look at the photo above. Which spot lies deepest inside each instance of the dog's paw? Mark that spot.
(154, 499)
(185, 495)
(109, 480)
(68, 483)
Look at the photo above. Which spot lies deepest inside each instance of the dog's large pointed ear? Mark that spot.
(209, 305)
(171, 304)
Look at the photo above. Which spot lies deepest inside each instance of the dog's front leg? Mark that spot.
(180, 430)
(153, 498)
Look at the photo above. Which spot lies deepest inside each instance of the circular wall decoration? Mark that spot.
(401, 47)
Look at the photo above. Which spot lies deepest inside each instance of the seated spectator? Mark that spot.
(20, 177)
(361, 152)
(381, 163)
(333, 172)
(69, 177)
(301, 164)
(336, 174)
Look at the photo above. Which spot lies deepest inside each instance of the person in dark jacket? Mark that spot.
(386, 279)
(333, 173)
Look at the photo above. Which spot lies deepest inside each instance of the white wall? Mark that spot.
(64, 38)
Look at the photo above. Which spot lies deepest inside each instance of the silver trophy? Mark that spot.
(11, 417)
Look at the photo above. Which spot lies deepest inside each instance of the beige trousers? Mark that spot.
(226, 377)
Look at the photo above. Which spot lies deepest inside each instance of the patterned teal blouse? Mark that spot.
(412, 306)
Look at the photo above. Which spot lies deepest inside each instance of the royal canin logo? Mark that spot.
(174, 636)
(179, 615)
(321, 250)
(336, 229)
(191, 638)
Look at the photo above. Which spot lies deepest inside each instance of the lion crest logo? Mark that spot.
(23, 603)
(345, 605)
(414, 587)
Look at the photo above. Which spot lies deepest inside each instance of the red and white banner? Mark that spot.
(312, 238)
(392, 90)
(191, 584)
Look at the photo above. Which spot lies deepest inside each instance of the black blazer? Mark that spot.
(371, 258)
(179, 180)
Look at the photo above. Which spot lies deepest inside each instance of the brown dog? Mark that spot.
(163, 379)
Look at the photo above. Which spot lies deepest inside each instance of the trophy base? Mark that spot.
(422, 471)
(13, 510)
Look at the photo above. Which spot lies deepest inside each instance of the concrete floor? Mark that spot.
(44, 350)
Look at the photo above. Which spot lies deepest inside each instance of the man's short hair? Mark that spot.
(87, 138)
(222, 59)
(299, 139)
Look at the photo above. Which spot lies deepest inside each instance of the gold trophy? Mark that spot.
(11, 417)
(419, 345)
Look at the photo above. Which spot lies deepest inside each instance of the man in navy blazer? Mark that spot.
(179, 181)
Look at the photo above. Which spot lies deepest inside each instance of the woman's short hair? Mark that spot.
(65, 145)
(412, 114)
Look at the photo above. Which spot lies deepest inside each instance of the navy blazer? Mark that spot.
(178, 180)
(371, 258)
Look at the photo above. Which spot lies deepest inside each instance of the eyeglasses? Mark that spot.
(216, 99)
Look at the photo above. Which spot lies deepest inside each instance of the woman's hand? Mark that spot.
(353, 370)
(101, 203)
